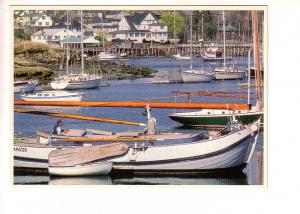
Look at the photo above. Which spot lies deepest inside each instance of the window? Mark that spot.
(208, 112)
(40, 23)
(47, 23)
(137, 34)
(161, 27)
(131, 34)
(40, 37)
(142, 34)
(223, 112)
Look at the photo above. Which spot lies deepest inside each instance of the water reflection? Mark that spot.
(236, 179)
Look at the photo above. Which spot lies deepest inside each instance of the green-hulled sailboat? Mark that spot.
(218, 118)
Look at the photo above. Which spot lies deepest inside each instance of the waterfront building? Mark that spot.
(140, 27)
(52, 36)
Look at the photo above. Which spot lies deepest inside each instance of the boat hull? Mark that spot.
(194, 77)
(220, 75)
(223, 153)
(213, 121)
(96, 168)
(68, 85)
(60, 98)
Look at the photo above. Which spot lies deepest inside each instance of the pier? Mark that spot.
(146, 49)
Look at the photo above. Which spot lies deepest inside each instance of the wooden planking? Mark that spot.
(82, 155)
(138, 104)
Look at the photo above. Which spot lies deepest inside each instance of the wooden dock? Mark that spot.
(232, 50)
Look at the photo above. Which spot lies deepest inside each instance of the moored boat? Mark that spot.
(106, 56)
(191, 76)
(214, 118)
(91, 160)
(229, 73)
(53, 96)
(24, 86)
(180, 57)
(231, 151)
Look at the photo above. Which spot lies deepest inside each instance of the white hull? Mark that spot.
(32, 157)
(229, 75)
(69, 85)
(221, 153)
(97, 168)
(29, 87)
(190, 76)
(53, 96)
(178, 57)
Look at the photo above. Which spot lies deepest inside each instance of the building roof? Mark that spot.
(49, 31)
(130, 31)
(78, 40)
(136, 19)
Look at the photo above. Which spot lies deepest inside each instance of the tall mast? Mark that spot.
(191, 36)
(224, 63)
(67, 63)
(174, 28)
(82, 62)
(257, 62)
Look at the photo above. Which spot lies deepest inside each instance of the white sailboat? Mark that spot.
(194, 75)
(105, 55)
(178, 56)
(227, 73)
(52, 96)
(76, 81)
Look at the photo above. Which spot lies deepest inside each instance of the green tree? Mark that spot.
(168, 19)
(209, 25)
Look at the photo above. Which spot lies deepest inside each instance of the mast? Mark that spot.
(191, 36)
(257, 62)
(82, 62)
(67, 63)
(224, 63)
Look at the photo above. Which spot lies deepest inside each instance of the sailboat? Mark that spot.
(105, 55)
(177, 56)
(217, 118)
(193, 75)
(227, 73)
(76, 81)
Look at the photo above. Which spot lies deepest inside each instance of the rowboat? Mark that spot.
(83, 161)
(53, 96)
(96, 168)
(230, 151)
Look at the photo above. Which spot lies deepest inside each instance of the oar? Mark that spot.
(138, 104)
(78, 117)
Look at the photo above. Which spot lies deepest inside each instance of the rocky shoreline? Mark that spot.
(44, 62)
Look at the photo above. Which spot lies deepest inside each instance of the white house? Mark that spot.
(41, 20)
(52, 36)
(140, 27)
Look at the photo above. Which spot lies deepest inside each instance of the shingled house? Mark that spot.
(140, 27)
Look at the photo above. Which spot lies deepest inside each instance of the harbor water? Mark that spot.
(143, 90)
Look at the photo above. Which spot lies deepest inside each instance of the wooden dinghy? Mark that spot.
(91, 160)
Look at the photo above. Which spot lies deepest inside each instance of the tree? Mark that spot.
(168, 19)
(209, 25)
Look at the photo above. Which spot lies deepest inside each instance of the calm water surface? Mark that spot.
(140, 89)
